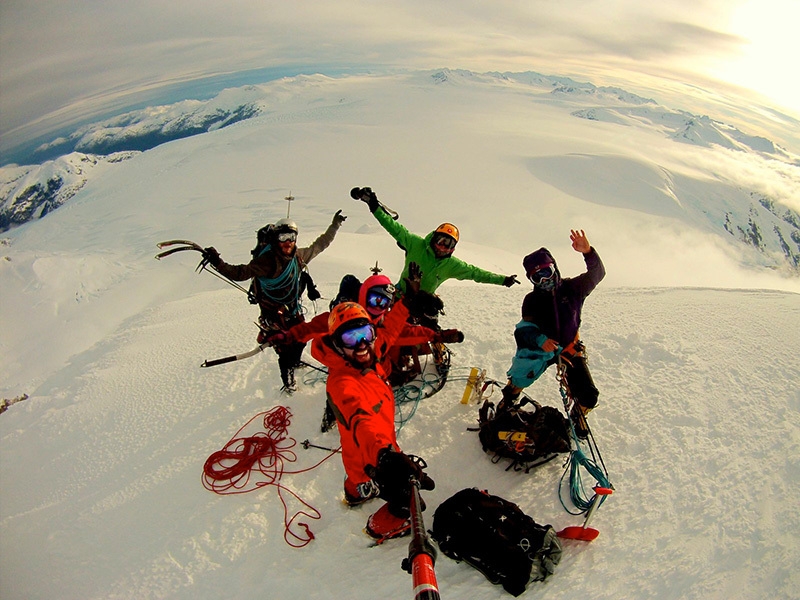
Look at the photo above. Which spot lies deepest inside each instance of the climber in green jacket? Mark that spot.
(433, 253)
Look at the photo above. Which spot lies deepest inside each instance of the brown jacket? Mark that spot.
(272, 263)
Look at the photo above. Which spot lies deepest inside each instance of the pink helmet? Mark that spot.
(376, 285)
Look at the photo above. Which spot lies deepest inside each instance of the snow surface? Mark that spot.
(100, 468)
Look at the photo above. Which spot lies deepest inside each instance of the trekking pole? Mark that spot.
(421, 553)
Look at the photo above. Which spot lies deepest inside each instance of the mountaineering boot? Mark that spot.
(510, 396)
(441, 358)
(383, 525)
(578, 416)
(355, 495)
(289, 385)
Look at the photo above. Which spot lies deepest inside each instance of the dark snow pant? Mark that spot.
(289, 357)
(580, 382)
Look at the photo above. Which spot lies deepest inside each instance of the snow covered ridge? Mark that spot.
(753, 218)
(685, 127)
(149, 127)
(30, 192)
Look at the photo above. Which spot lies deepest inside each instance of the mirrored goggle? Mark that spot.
(287, 236)
(376, 300)
(445, 241)
(542, 274)
(353, 337)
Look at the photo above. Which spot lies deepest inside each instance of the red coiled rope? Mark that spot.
(264, 454)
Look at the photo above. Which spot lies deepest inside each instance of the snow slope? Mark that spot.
(100, 468)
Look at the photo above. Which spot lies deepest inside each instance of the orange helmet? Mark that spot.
(448, 229)
(346, 313)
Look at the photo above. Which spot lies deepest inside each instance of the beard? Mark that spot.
(362, 358)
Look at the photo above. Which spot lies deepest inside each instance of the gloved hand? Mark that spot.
(395, 469)
(373, 203)
(414, 279)
(211, 255)
(366, 195)
(338, 218)
(276, 337)
(510, 280)
(449, 336)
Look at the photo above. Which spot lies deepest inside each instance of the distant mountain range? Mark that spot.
(30, 192)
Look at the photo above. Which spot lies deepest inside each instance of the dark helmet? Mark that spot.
(348, 290)
(541, 261)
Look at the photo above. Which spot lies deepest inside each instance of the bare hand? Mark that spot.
(550, 345)
(579, 241)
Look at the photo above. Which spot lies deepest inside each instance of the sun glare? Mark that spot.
(767, 63)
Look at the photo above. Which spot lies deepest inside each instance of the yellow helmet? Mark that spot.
(448, 229)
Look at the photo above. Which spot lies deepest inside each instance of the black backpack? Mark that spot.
(497, 538)
(528, 438)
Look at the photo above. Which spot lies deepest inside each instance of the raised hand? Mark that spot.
(579, 241)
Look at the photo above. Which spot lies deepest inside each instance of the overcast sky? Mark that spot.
(62, 60)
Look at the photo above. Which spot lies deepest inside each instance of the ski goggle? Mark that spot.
(352, 338)
(543, 274)
(445, 241)
(287, 236)
(378, 301)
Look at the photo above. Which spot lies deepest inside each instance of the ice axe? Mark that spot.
(584, 533)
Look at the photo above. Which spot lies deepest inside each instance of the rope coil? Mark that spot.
(578, 460)
(248, 463)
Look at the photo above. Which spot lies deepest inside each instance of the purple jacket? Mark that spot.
(557, 314)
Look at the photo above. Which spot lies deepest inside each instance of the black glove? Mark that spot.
(394, 472)
(211, 255)
(307, 284)
(510, 280)
(339, 218)
(366, 195)
(449, 336)
(414, 279)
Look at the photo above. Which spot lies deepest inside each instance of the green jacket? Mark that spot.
(435, 271)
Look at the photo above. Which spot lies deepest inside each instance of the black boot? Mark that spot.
(510, 397)
(578, 416)
(289, 385)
